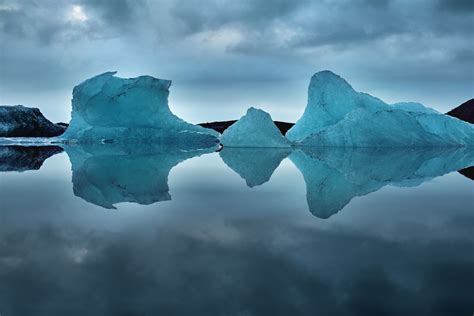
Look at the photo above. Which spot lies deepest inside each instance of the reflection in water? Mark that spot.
(20, 158)
(254, 165)
(334, 176)
(221, 250)
(108, 174)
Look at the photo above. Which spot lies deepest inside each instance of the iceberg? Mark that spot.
(337, 115)
(334, 176)
(106, 108)
(107, 174)
(254, 165)
(254, 129)
(22, 121)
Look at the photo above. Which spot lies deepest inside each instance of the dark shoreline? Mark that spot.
(221, 126)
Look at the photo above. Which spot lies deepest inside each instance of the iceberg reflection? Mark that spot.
(334, 176)
(108, 174)
(254, 165)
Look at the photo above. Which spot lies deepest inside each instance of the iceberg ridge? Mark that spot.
(337, 115)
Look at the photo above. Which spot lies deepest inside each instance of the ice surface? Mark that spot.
(337, 115)
(254, 165)
(330, 98)
(21, 121)
(108, 108)
(413, 107)
(254, 129)
(334, 176)
(106, 174)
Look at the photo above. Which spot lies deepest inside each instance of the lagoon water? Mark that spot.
(138, 231)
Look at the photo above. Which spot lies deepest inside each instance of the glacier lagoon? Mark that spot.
(104, 229)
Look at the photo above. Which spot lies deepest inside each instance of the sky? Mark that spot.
(224, 56)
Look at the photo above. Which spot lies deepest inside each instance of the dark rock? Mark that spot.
(21, 121)
(468, 172)
(223, 125)
(20, 158)
(464, 112)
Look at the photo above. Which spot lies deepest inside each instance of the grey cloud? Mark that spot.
(247, 41)
(458, 6)
(215, 14)
(47, 22)
(119, 14)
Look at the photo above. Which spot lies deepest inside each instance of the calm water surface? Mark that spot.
(140, 231)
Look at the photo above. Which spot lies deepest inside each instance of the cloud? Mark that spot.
(222, 41)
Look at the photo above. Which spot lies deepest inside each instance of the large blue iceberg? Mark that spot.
(110, 109)
(337, 115)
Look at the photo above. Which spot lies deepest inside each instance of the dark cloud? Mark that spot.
(458, 6)
(222, 41)
(119, 14)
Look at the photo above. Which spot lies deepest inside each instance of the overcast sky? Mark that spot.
(224, 56)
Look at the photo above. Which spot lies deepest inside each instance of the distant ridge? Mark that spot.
(221, 126)
(464, 112)
(468, 172)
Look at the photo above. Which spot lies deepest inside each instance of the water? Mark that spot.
(235, 232)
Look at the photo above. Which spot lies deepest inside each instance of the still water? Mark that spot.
(164, 231)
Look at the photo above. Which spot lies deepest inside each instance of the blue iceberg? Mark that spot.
(337, 115)
(106, 108)
(255, 129)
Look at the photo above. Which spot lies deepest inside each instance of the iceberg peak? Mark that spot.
(254, 129)
(330, 98)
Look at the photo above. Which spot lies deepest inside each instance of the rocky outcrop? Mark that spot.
(221, 126)
(21, 121)
(464, 112)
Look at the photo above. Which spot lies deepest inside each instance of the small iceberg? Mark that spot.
(254, 129)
